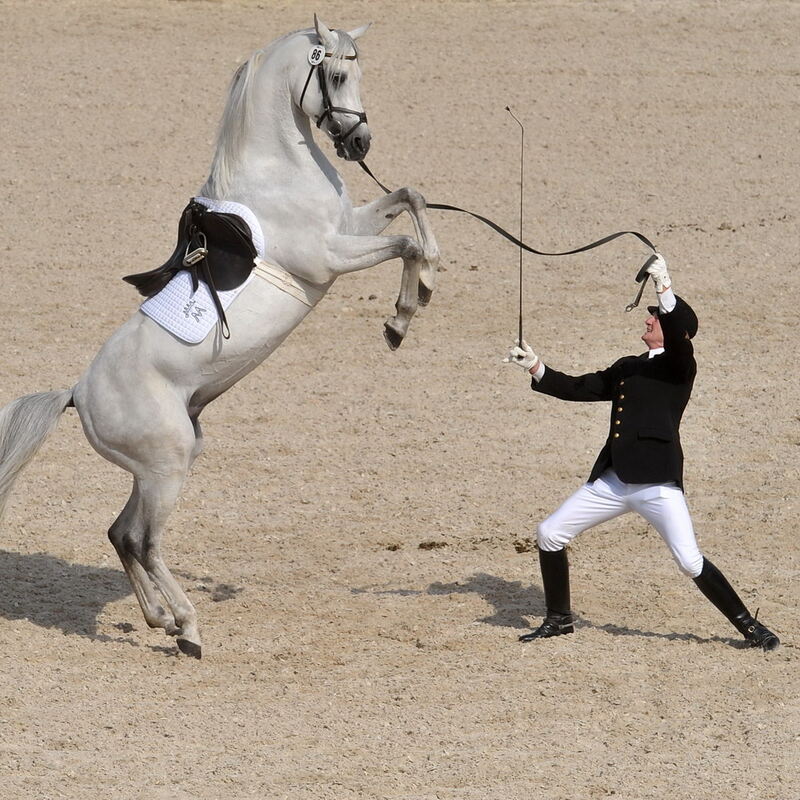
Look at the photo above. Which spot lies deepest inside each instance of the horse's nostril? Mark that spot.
(361, 145)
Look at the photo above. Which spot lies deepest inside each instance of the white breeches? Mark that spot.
(662, 505)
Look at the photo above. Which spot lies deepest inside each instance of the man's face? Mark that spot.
(653, 336)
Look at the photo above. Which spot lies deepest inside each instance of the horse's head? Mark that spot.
(329, 93)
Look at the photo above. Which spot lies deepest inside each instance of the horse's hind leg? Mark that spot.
(136, 417)
(126, 534)
(158, 452)
(159, 494)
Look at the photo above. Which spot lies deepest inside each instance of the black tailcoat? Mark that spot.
(648, 398)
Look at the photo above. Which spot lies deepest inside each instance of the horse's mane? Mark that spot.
(237, 115)
(235, 120)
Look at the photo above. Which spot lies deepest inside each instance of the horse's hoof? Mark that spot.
(190, 648)
(393, 338)
(424, 294)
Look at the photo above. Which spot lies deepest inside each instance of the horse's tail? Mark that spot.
(24, 425)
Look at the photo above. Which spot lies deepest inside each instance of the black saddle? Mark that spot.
(214, 247)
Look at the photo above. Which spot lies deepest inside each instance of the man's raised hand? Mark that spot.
(658, 271)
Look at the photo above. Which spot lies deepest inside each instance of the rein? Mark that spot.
(511, 238)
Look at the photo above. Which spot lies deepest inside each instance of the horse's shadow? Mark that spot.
(517, 606)
(53, 593)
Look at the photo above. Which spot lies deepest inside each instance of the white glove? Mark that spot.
(524, 355)
(658, 271)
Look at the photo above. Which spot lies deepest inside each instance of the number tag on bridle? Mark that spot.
(316, 54)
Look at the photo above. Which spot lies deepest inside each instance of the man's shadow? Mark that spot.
(512, 601)
(514, 604)
(522, 607)
(53, 593)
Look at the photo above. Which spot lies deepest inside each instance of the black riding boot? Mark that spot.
(555, 578)
(715, 587)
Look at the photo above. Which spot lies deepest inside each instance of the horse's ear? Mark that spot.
(325, 34)
(360, 31)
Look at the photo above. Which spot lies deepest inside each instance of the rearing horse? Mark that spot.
(140, 399)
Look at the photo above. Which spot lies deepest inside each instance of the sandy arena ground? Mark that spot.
(357, 535)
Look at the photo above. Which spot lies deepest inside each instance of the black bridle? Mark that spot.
(316, 58)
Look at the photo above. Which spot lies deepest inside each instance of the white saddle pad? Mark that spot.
(191, 315)
(188, 315)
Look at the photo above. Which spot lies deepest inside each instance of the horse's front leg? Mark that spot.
(374, 217)
(353, 253)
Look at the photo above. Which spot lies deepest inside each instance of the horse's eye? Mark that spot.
(338, 79)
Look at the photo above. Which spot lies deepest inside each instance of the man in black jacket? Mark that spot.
(640, 467)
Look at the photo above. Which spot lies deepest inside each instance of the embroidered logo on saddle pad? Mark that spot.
(188, 314)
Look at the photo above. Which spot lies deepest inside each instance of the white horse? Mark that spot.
(140, 399)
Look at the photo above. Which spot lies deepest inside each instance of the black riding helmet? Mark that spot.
(684, 312)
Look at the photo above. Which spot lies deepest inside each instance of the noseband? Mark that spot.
(316, 56)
